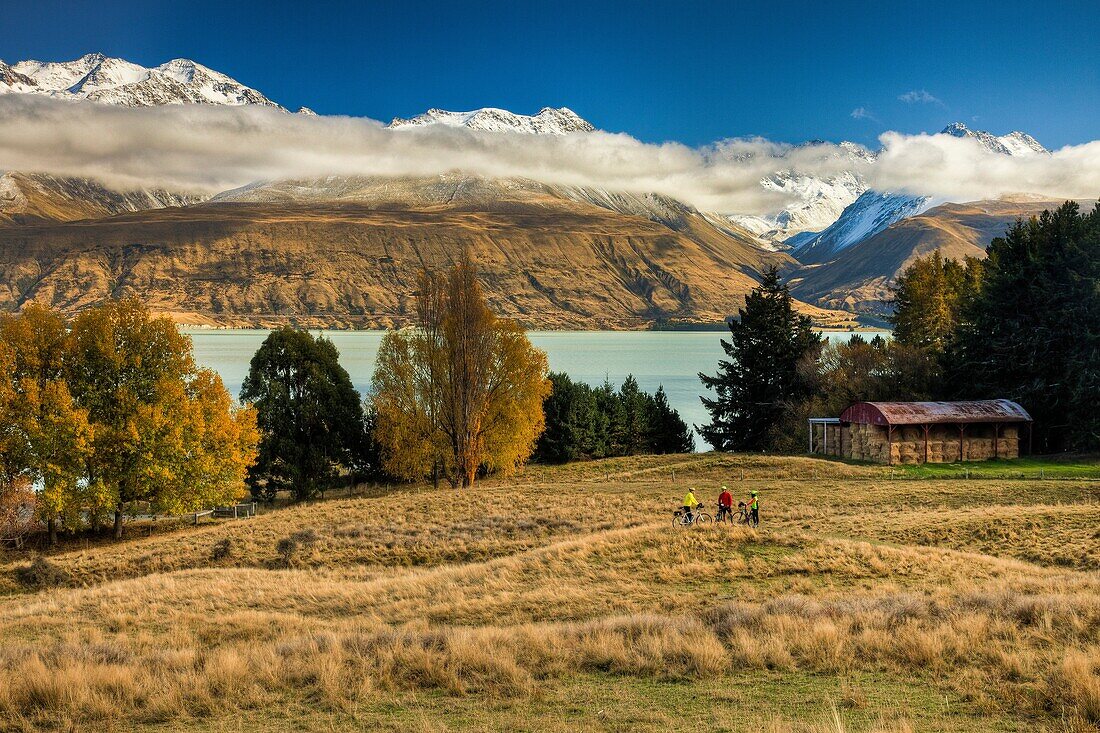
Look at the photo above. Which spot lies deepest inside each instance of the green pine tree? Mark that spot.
(1032, 332)
(763, 378)
(668, 433)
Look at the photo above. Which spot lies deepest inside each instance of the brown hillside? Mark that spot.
(547, 262)
(860, 277)
(34, 197)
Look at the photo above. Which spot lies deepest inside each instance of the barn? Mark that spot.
(923, 432)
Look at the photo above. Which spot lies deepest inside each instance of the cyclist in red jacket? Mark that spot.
(725, 505)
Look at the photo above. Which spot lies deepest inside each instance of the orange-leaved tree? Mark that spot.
(461, 392)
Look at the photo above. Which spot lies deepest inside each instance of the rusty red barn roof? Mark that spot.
(923, 413)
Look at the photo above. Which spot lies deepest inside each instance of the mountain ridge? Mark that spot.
(548, 121)
(547, 262)
(98, 78)
(860, 278)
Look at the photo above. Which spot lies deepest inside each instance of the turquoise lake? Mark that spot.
(655, 358)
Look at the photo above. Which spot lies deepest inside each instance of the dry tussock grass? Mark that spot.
(512, 590)
(1066, 535)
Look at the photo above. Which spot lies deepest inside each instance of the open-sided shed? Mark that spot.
(923, 432)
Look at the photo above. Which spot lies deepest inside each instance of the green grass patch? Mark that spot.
(760, 701)
(1029, 467)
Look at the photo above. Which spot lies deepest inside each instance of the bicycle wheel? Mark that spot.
(702, 518)
(677, 522)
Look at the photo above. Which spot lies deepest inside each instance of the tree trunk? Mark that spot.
(51, 527)
(118, 523)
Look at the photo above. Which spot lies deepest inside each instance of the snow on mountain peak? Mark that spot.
(1015, 143)
(114, 81)
(548, 121)
(1020, 143)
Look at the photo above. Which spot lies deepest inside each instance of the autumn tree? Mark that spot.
(929, 298)
(463, 391)
(309, 414)
(54, 436)
(165, 433)
(18, 506)
(13, 450)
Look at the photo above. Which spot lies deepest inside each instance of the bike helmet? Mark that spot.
(724, 488)
(754, 493)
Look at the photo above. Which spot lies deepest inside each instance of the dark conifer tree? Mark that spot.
(310, 416)
(585, 422)
(635, 417)
(762, 377)
(1032, 333)
(668, 433)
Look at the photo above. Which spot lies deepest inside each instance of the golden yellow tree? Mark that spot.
(165, 433)
(461, 392)
(54, 433)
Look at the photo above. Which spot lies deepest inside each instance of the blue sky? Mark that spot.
(692, 72)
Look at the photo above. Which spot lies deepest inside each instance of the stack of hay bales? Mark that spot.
(979, 448)
(908, 447)
(867, 443)
(937, 445)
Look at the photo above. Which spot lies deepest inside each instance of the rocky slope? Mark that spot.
(477, 193)
(874, 211)
(1014, 143)
(868, 215)
(817, 201)
(28, 197)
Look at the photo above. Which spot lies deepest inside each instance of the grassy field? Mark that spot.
(563, 600)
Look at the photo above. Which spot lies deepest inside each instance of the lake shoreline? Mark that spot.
(668, 359)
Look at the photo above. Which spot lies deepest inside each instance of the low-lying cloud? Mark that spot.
(211, 149)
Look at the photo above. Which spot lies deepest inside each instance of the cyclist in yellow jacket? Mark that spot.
(754, 509)
(690, 502)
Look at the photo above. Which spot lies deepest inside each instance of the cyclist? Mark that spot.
(690, 502)
(754, 509)
(725, 505)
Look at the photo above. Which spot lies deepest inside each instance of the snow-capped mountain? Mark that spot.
(549, 121)
(868, 215)
(1014, 143)
(874, 211)
(818, 200)
(98, 78)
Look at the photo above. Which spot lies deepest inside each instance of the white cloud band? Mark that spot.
(210, 149)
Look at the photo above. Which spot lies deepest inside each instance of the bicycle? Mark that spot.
(724, 515)
(679, 519)
(743, 516)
